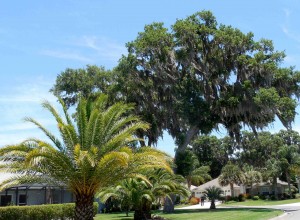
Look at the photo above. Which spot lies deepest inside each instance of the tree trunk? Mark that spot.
(289, 184)
(232, 190)
(275, 187)
(84, 209)
(143, 212)
(212, 204)
(189, 136)
(141, 215)
(169, 204)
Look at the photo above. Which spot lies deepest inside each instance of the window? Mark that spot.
(22, 199)
(5, 200)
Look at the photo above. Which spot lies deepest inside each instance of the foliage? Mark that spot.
(231, 174)
(213, 193)
(194, 201)
(37, 212)
(212, 152)
(255, 198)
(139, 194)
(93, 154)
(187, 165)
(194, 77)
(251, 175)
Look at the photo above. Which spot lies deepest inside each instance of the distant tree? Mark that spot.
(188, 166)
(251, 175)
(212, 152)
(256, 149)
(272, 171)
(231, 174)
(213, 193)
(195, 77)
(289, 160)
(205, 75)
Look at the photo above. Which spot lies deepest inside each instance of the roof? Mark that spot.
(268, 183)
(214, 182)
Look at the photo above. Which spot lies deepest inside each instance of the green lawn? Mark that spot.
(261, 202)
(220, 214)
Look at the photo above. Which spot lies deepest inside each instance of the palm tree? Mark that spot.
(231, 174)
(251, 176)
(213, 193)
(89, 156)
(289, 160)
(141, 193)
(273, 171)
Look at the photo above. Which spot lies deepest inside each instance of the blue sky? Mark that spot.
(40, 39)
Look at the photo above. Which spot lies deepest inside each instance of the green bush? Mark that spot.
(255, 197)
(297, 196)
(38, 212)
(262, 197)
(242, 198)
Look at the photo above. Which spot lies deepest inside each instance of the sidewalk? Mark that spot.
(198, 206)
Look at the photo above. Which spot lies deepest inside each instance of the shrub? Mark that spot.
(297, 196)
(228, 198)
(248, 196)
(272, 197)
(242, 198)
(255, 197)
(194, 201)
(262, 197)
(38, 212)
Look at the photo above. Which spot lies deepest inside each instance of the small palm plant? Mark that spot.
(92, 153)
(213, 193)
(141, 193)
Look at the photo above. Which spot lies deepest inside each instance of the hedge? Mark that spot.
(41, 212)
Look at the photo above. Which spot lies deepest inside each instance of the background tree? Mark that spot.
(188, 166)
(89, 156)
(212, 152)
(199, 75)
(251, 176)
(289, 160)
(272, 171)
(231, 174)
(208, 75)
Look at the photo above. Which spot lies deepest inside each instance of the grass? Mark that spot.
(261, 202)
(202, 214)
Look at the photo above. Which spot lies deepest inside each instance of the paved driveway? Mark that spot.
(292, 211)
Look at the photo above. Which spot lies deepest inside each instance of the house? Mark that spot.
(34, 194)
(264, 188)
(199, 191)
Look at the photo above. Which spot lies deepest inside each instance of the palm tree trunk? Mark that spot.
(84, 209)
(289, 183)
(275, 187)
(231, 189)
(143, 212)
(169, 204)
(212, 204)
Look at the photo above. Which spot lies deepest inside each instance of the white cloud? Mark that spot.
(286, 27)
(65, 54)
(22, 101)
(89, 49)
(104, 47)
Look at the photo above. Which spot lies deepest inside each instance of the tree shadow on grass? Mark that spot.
(186, 211)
